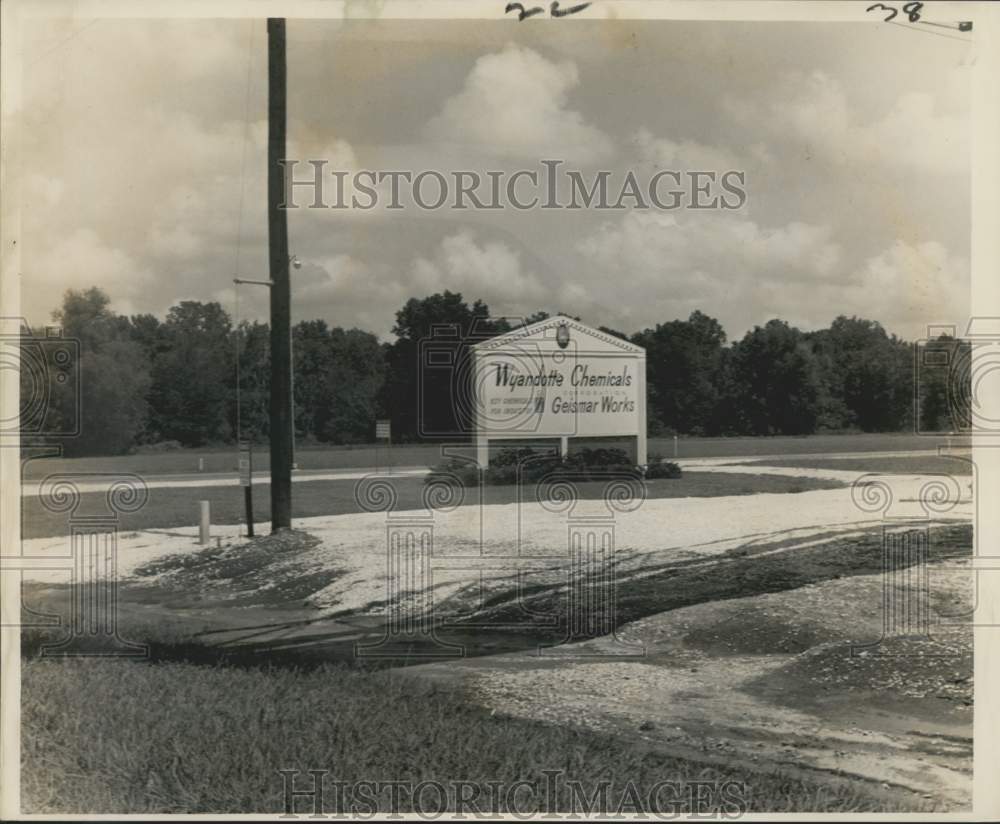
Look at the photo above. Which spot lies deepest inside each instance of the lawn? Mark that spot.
(111, 736)
(900, 465)
(363, 456)
(175, 506)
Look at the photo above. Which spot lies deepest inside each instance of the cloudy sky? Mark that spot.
(144, 166)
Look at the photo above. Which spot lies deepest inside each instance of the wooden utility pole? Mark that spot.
(277, 230)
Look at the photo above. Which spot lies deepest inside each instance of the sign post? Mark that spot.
(246, 481)
(383, 431)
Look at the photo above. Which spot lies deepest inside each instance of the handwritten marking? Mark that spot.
(554, 10)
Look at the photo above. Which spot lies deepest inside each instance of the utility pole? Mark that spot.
(281, 326)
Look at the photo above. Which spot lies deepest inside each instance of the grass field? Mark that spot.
(324, 457)
(901, 464)
(178, 506)
(178, 738)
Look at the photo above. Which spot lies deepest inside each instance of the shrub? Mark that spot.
(451, 469)
(659, 468)
(525, 464)
(160, 446)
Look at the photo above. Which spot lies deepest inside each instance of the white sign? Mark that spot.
(559, 378)
(382, 429)
(555, 394)
(245, 465)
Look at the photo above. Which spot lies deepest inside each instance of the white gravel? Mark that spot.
(469, 538)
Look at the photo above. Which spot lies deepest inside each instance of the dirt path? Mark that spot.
(768, 681)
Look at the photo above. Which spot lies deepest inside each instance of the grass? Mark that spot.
(111, 736)
(903, 464)
(174, 506)
(352, 457)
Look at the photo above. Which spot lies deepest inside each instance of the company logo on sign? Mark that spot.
(562, 336)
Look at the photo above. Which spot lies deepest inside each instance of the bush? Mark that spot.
(159, 446)
(659, 468)
(452, 469)
(590, 464)
(525, 464)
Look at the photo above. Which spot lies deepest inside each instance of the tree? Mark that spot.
(427, 391)
(251, 422)
(313, 355)
(114, 383)
(338, 377)
(774, 380)
(354, 381)
(114, 375)
(607, 330)
(85, 315)
(683, 360)
(192, 377)
(870, 372)
(944, 390)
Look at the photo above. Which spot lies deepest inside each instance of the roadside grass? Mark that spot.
(175, 506)
(369, 455)
(112, 736)
(904, 464)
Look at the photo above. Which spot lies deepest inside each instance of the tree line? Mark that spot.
(195, 379)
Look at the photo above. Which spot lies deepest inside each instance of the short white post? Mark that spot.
(204, 531)
(201, 464)
(675, 446)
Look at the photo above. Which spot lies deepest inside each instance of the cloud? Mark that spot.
(656, 267)
(685, 154)
(491, 271)
(513, 104)
(909, 286)
(846, 213)
(815, 111)
(78, 260)
(712, 246)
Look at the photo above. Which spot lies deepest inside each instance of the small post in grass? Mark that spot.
(201, 464)
(205, 529)
(246, 481)
(383, 431)
(675, 446)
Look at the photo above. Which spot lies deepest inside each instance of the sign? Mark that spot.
(559, 379)
(245, 464)
(560, 385)
(382, 429)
